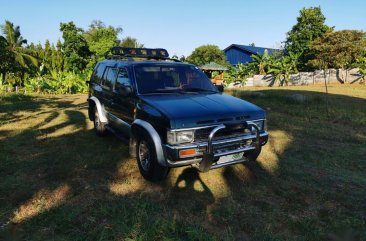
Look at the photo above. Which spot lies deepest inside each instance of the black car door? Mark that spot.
(123, 98)
(96, 82)
(109, 79)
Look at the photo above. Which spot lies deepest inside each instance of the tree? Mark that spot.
(130, 42)
(57, 58)
(4, 58)
(75, 47)
(339, 49)
(206, 54)
(183, 58)
(101, 39)
(361, 65)
(310, 25)
(19, 58)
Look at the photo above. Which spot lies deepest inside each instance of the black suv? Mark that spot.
(171, 113)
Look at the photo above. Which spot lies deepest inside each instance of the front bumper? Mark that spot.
(209, 152)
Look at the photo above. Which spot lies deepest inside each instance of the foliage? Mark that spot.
(58, 83)
(282, 69)
(338, 49)
(310, 25)
(18, 58)
(75, 47)
(60, 68)
(101, 39)
(206, 54)
(130, 42)
(239, 73)
(261, 61)
(4, 59)
(361, 65)
(183, 58)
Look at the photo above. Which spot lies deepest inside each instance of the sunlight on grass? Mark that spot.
(277, 144)
(41, 201)
(130, 181)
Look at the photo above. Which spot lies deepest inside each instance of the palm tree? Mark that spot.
(14, 45)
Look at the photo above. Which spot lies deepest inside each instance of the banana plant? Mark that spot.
(261, 61)
(281, 70)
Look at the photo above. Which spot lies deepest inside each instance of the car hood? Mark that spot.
(192, 110)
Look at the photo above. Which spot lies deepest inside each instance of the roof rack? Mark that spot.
(146, 53)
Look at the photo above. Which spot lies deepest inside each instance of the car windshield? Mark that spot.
(172, 79)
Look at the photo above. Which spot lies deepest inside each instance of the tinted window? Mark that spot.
(98, 73)
(123, 78)
(110, 76)
(182, 78)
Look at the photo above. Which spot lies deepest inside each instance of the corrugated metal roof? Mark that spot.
(213, 66)
(252, 49)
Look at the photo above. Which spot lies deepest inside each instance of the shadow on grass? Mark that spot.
(59, 181)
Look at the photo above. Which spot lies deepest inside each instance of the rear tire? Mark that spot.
(99, 127)
(147, 160)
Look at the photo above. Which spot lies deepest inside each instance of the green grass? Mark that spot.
(59, 181)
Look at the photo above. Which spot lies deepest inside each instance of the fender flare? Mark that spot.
(101, 113)
(154, 136)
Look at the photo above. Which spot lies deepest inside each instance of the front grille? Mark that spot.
(201, 135)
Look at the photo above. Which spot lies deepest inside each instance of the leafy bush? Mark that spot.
(58, 83)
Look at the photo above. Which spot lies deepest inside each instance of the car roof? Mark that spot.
(140, 62)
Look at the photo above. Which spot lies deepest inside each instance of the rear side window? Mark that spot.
(123, 78)
(98, 73)
(110, 75)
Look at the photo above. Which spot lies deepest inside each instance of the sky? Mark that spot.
(180, 25)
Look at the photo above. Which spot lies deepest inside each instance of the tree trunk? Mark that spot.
(3, 77)
(22, 78)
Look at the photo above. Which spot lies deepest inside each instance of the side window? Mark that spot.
(110, 76)
(98, 73)
(122, 78)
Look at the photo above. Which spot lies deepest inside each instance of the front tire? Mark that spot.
(99, 127)
(147, 160)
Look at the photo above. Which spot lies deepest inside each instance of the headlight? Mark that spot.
(260, 124)
(179, 137)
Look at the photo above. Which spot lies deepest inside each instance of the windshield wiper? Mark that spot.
(161, 91)
(197, 90)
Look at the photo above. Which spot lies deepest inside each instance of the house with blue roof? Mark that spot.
(241, 54)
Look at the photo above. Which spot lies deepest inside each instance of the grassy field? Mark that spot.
(59, 181)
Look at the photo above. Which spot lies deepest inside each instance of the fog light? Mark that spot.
(187, 153)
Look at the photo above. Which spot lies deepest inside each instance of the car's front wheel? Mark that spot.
(147, 161)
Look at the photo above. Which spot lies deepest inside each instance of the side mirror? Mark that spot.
(220, 88)
(125, 90)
